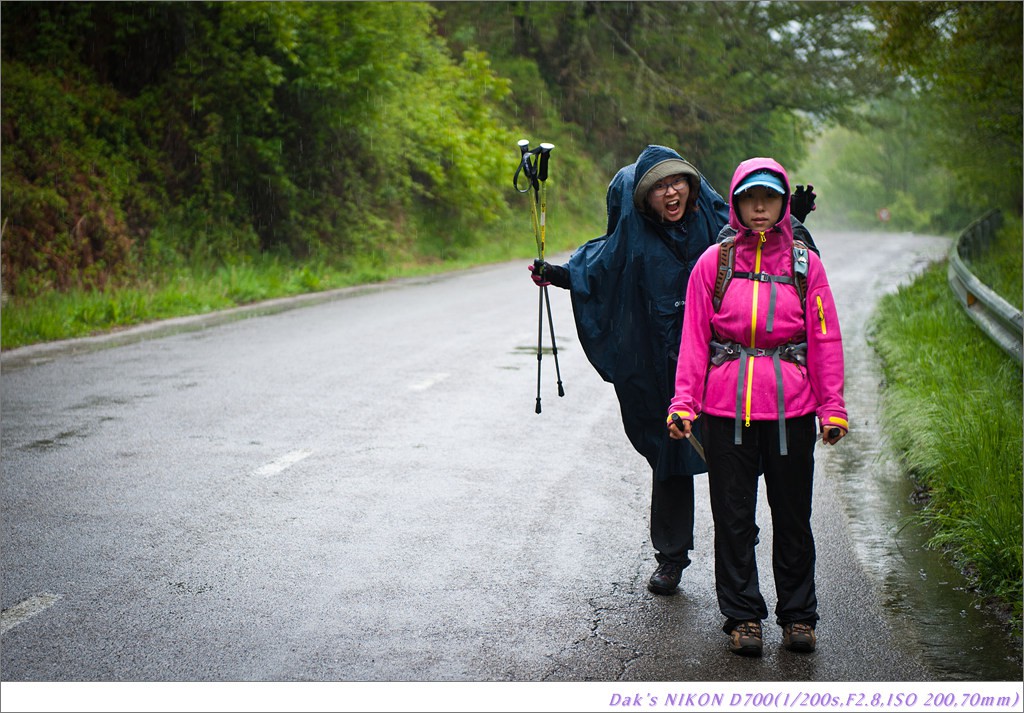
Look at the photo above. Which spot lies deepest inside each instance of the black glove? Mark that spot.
(544, 273)
(802, 202)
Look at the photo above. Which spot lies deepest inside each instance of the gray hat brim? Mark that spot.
(767, 179)
(663, 169)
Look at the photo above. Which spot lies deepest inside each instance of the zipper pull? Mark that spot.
(764, 238)
(821, 315)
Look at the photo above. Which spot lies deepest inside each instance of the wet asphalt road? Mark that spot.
(360, 490)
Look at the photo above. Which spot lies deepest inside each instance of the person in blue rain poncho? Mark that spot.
(628, 291)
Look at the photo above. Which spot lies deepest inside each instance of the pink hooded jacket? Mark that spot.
(702, 387)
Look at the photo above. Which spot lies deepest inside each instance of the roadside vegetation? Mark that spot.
(175, 158)
(79, 312)
(952, 405)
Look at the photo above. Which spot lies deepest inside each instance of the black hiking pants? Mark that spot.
(672, 466)
(732, 482)
(672, 518)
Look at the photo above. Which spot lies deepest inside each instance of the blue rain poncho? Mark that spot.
(628, 292)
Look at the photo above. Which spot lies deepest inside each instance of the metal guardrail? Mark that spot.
(1000, 320)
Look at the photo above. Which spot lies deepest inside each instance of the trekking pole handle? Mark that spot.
(678, 422)
(545, 153)
(525, 167)
(694, 443)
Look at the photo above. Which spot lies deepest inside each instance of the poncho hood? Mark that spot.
(656, 163)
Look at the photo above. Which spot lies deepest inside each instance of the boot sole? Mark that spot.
(663, 591)
(801, 648)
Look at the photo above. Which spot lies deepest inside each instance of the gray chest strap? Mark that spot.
(794, 352)
(774, 280)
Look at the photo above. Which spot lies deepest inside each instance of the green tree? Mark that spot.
(883, 161)
(719, 81)
(208, 133)
(75, 196)
(301, 122)
(966, 60)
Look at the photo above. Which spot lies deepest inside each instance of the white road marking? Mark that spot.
(280, 464)
(428, 382)
(25, 610)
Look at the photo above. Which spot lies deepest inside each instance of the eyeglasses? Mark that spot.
(676, 184)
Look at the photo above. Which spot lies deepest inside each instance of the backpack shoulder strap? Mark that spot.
(726, 260)
(800, 263)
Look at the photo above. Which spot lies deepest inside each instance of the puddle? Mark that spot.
(546, 349)
(59, 441)
(956, 636)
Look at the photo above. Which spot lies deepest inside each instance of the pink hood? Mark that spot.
(742, 318)
(745, 169)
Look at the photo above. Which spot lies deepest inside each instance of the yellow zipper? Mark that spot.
(753, 330)
(821, 315)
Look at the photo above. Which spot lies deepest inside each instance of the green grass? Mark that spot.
(181, 292)
(1000, 265)
(952, 405)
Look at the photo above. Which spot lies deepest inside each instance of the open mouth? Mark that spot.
(672, 205)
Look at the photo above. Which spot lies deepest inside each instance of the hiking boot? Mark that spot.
(666, 578)
(798, 636)
(745, 639)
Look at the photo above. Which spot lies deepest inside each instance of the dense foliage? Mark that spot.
(212, 131)
(943, 143)
(719, 81)
(965, 60)
(142, 137)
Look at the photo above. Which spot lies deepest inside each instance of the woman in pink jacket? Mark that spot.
(758, 364)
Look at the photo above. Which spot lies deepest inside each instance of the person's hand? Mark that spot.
(538, 273)
(832, 434)
(679, 428)
(802, 202)
(544, 274)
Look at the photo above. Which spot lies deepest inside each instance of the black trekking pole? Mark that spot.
(528, 167)
(542, 176)
(534, 165)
